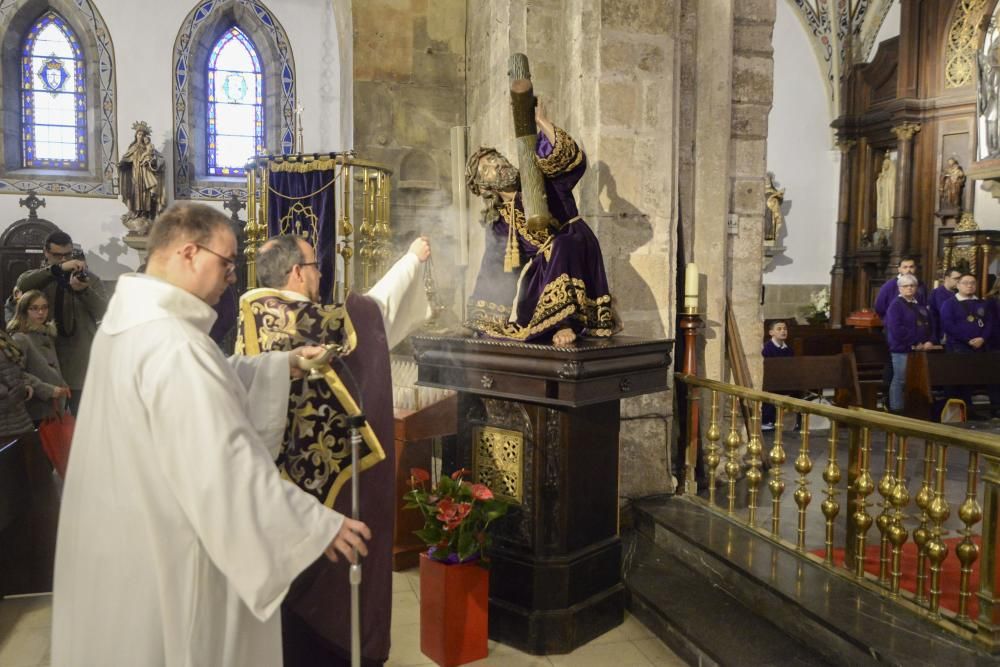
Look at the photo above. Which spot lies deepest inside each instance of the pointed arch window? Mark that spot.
(235, 104)
(53, 96)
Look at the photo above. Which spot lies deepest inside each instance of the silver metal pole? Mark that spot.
(355, 423)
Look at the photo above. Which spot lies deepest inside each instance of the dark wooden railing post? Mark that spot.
(689, 324)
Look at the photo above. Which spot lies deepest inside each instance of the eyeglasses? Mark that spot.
(230, 263)
(316, 264)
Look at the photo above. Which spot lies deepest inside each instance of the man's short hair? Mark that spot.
(57, 237)
(276, 258)
(969, 275)
(908, 279)
(908, 258)
(185, 221)
(952, 269)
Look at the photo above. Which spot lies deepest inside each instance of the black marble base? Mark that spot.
(544, 605)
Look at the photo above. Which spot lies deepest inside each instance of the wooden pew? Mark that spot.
(871, 353)
(414, 434)
(926, 370)
(814, 373)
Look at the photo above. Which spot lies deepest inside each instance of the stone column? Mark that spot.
(843, 211)
(901, 216)
(713, 126)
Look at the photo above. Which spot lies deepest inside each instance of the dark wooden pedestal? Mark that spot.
(539, 424)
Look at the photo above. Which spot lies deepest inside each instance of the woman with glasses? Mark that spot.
(34, 334)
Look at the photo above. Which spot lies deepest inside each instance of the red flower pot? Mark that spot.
(454, 605)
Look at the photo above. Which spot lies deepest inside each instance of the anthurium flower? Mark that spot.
(481, 492)
(419, 474)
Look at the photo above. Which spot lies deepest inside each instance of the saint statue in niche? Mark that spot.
(141, 181)
(774, 199)
(952, 184)
(885, 197)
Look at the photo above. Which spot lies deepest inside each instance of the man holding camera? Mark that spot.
(77, 303)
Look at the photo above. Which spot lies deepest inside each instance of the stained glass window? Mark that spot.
(53, 96)
(235, 104)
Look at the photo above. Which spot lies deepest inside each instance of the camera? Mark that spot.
(82, 275)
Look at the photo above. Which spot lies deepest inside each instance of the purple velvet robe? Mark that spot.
(908, 324)
(955, 322)
(561, 272)
(889, 291)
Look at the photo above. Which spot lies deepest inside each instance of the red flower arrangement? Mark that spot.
(456, 514)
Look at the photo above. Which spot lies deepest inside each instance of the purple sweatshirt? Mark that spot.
(772, 350)
(955, 322)
(889, 291)
(938, 297)
(908, 324)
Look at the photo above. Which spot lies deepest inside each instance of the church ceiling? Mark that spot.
(841, 27)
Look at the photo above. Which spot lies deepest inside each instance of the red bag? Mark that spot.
(56, 434)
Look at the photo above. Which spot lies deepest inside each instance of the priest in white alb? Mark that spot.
(178, 539)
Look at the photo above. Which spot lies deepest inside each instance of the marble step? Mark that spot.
(674, 540)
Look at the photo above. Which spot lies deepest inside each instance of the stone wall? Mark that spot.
(752, 92)
(787, 301)
(409, 91)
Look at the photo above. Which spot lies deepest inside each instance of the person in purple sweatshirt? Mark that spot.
(908, 326)
(890, 290)
(968, 323)
(775, 347)
(944, 292)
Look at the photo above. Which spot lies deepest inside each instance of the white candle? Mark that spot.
(691, 287)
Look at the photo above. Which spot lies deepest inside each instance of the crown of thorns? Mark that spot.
(472, 168)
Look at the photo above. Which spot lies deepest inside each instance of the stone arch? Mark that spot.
(418, 170)
(100, 177)
(199, 32)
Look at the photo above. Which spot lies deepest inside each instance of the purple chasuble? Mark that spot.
(321, 595)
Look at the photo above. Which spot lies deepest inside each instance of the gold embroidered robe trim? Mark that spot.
(315, 452)
(565, 156)
(562, 298)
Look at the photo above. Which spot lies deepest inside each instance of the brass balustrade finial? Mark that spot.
(712, 456)
(777, 458)
(830, 507)
(802, 495)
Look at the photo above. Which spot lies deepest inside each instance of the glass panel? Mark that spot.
(235, 112)
(235, 119)
(53, 42)
(233, 151)
(53, 98)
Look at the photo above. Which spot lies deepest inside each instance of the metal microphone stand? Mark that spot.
(355, 425)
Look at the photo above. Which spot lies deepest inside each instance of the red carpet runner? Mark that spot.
(950, 571)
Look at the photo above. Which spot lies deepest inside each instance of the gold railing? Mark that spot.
(363, 185)
(883, 487)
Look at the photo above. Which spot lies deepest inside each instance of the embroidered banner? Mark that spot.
(303, 202)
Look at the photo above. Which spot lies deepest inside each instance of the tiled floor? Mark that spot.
(25, 623)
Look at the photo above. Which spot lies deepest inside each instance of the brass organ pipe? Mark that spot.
(970, 512)
(776, 484)
(802, 496)
(830, 507)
